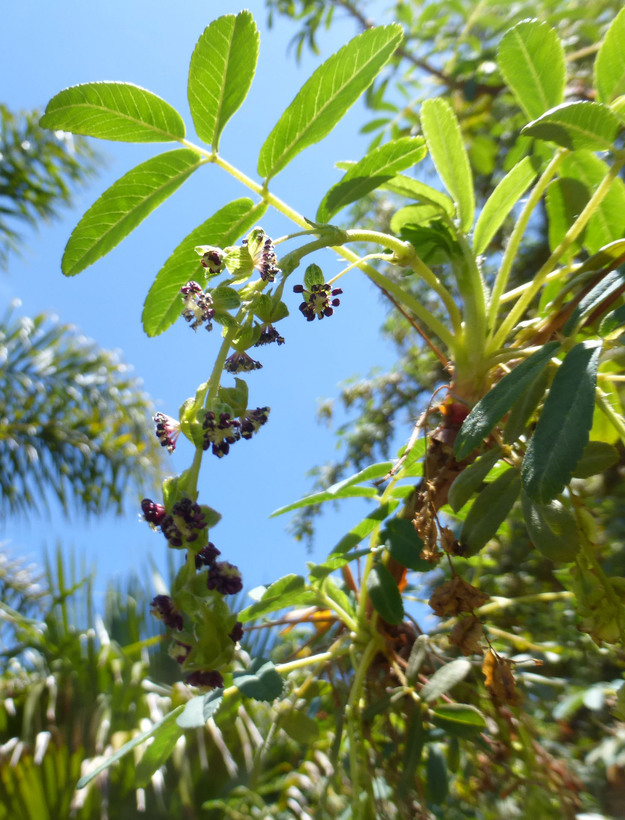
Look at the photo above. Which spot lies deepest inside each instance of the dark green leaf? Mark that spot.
(598, 456)
(524, 407)
(531, 59)
(163, 304)
(125, 205)
(501, 202)
(300, 727)
(221, 73)
(551, 528)
(564, 425)
(459, 719)
(378, 167)
(157, 753)
(496, 403)
(113, 111)
(404, 544)
(444, 139)
(260, 680)
(199, 709)
(613, 321)
(384, 595)
(128, 747)
(326, 96)
(577, 126)
(610, 62)
(611, 284)
(445, 679)
(285, 592)
(490, 509)
(470, 480)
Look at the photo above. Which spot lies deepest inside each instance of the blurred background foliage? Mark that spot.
(77, 683)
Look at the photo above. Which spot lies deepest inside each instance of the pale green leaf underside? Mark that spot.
(113, 111)
(125, 205)
(444, 139)
(610, 62)
(319, 498)
(326, 96)
(531, 59)
(577, 126)
(378, 167)
(221, 73)
(501, 202)
(564, 425)
(420, 192)
(162, 305)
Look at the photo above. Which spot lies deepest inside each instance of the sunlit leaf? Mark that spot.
(581, 125)
(125, 205)
(610, 62)
(531, 59)
(285, 592)
(612, 284)
(323, 100)
(113, 111)
(444, 139)
(459, 719)
(199, 709)
(157, 752)
(221, 73)
(378, 167)
(351, 491)
(564, 425)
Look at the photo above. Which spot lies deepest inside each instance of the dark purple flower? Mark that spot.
(213, 260)
(225, 578)
(262, 251)
(198, 306)
(171, 531)
(167, 430)
(152, 512)
(237, 632)
(252, 421)
(240, 362)
(220, 434)
(317, 300)
(189, 518)
(206, 556)
(179, 651)
(269, 334)
(162, 607)
(205, 680)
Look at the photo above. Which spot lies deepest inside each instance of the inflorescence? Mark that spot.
(317, 300)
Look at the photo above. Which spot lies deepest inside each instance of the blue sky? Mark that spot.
(50, 46)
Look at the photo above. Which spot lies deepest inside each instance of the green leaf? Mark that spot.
(157, 753)
(581, 174)
(444, 139)
(613, 321)
(199, 709)
(384, 595)
(378, 167)
(581, 125)
(128, 747)
(459, 719)
(113, 111)
(598, 456)
(564, 425)
(496, 403)
(501, 202)
(610, 62)
(524, 407)
(326, 495)
(125, 205)
(323, 100)
(611, 284)
(445, 679)
(531, 60)
(221, 73)
(300, 727)
(291, 590)
(163, 304)
(260, 680)
(414, 189)
(404, 544)
(471, 479)
(551, 528)
(436, 775)
(490, 509)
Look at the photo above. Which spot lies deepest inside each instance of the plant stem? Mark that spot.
(515, 238)
(571, 235)
(354, 726)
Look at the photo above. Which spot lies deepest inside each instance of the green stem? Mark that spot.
(571, 235)
(354, 726)
(516, 236)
